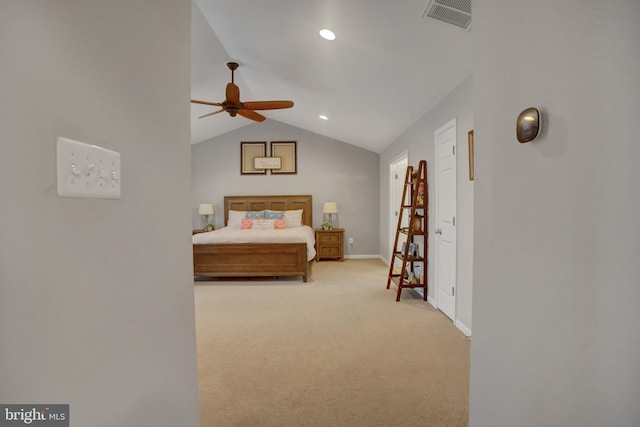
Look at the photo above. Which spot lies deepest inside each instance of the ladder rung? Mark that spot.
(412, 285)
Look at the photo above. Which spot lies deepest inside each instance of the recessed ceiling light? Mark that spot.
(323, 117)
(327, 34)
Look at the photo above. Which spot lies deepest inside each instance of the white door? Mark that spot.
(446, 195)
(397, 171)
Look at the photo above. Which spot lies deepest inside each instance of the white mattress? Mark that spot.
(234, 235)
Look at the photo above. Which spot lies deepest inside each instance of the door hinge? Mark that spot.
(454, 220)
(454, 150)
(453, 291)
(396, 176)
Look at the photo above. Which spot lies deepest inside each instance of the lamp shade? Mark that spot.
(206, 209)
(330, 207)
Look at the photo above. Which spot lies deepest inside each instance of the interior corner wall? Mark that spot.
(556, 325)
(328, 169)
(419, 141)
(96, 295)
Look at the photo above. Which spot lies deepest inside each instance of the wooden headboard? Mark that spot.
(274, 203)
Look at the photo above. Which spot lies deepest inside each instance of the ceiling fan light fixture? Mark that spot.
(327, 34)
(234, 106)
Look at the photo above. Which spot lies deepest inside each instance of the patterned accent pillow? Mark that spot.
(273, 214)
(254, 214)
(279, 224)
(247, 224)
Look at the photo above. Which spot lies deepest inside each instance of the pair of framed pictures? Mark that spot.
(254, 160)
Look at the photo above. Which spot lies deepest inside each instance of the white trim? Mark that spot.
(393, 221)
(363, 257)
(432, 301)
(464, 328)
(400, 156)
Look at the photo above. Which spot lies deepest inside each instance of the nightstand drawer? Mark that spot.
(330, 251)
(329, 238)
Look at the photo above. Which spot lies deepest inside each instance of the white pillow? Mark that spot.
(293, 218)
(235, 219)
(263, 224)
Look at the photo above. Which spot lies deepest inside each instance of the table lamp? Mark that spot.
(330, 208)
(205, 210)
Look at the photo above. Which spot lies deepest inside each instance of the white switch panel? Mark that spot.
(86, 170)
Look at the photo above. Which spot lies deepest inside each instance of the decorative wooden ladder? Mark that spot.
(414, 203)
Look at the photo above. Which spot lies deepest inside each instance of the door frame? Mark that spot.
(393, 187)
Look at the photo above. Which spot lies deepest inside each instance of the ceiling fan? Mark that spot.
(233, 106)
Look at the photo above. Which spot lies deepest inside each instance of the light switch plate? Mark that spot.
(86, 170)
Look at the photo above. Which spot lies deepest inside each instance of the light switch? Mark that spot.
(86, 170)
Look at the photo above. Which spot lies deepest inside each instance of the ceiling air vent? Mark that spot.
(455, 12)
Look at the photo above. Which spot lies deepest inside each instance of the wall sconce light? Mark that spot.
(205, 210)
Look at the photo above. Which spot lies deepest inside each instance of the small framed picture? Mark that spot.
(417, 272)
(266, 162)
(417, 223)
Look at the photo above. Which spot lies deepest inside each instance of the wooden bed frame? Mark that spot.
(256, 259)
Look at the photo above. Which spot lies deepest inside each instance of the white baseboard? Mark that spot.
(431, 301)
(362, 257)
(457, 323)
(464, 328)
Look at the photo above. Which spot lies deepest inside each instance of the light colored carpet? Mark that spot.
(336, 351)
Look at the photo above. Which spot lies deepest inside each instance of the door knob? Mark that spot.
(439, 231)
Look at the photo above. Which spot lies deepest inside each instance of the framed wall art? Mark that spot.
(267, 162)
(286, 151)
(471, 155)
(249, 151)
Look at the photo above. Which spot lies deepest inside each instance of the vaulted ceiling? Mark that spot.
(386, 68)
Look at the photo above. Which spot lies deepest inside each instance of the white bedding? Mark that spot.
(234, 235)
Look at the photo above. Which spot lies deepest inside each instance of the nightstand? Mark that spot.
(330, 244)
(197, 231)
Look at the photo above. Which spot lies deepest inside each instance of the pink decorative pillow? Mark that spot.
(279, 224)
(247, 224)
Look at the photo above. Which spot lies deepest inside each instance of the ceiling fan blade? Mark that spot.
(216, 104)
(249, 114)
(267, 105)
(211, 114)
(233, 94)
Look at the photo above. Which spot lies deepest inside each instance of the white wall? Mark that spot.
(419, 142)
(327, 169)
(556, 329)
(96, 296)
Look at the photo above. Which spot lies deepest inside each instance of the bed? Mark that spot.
(256, 259)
